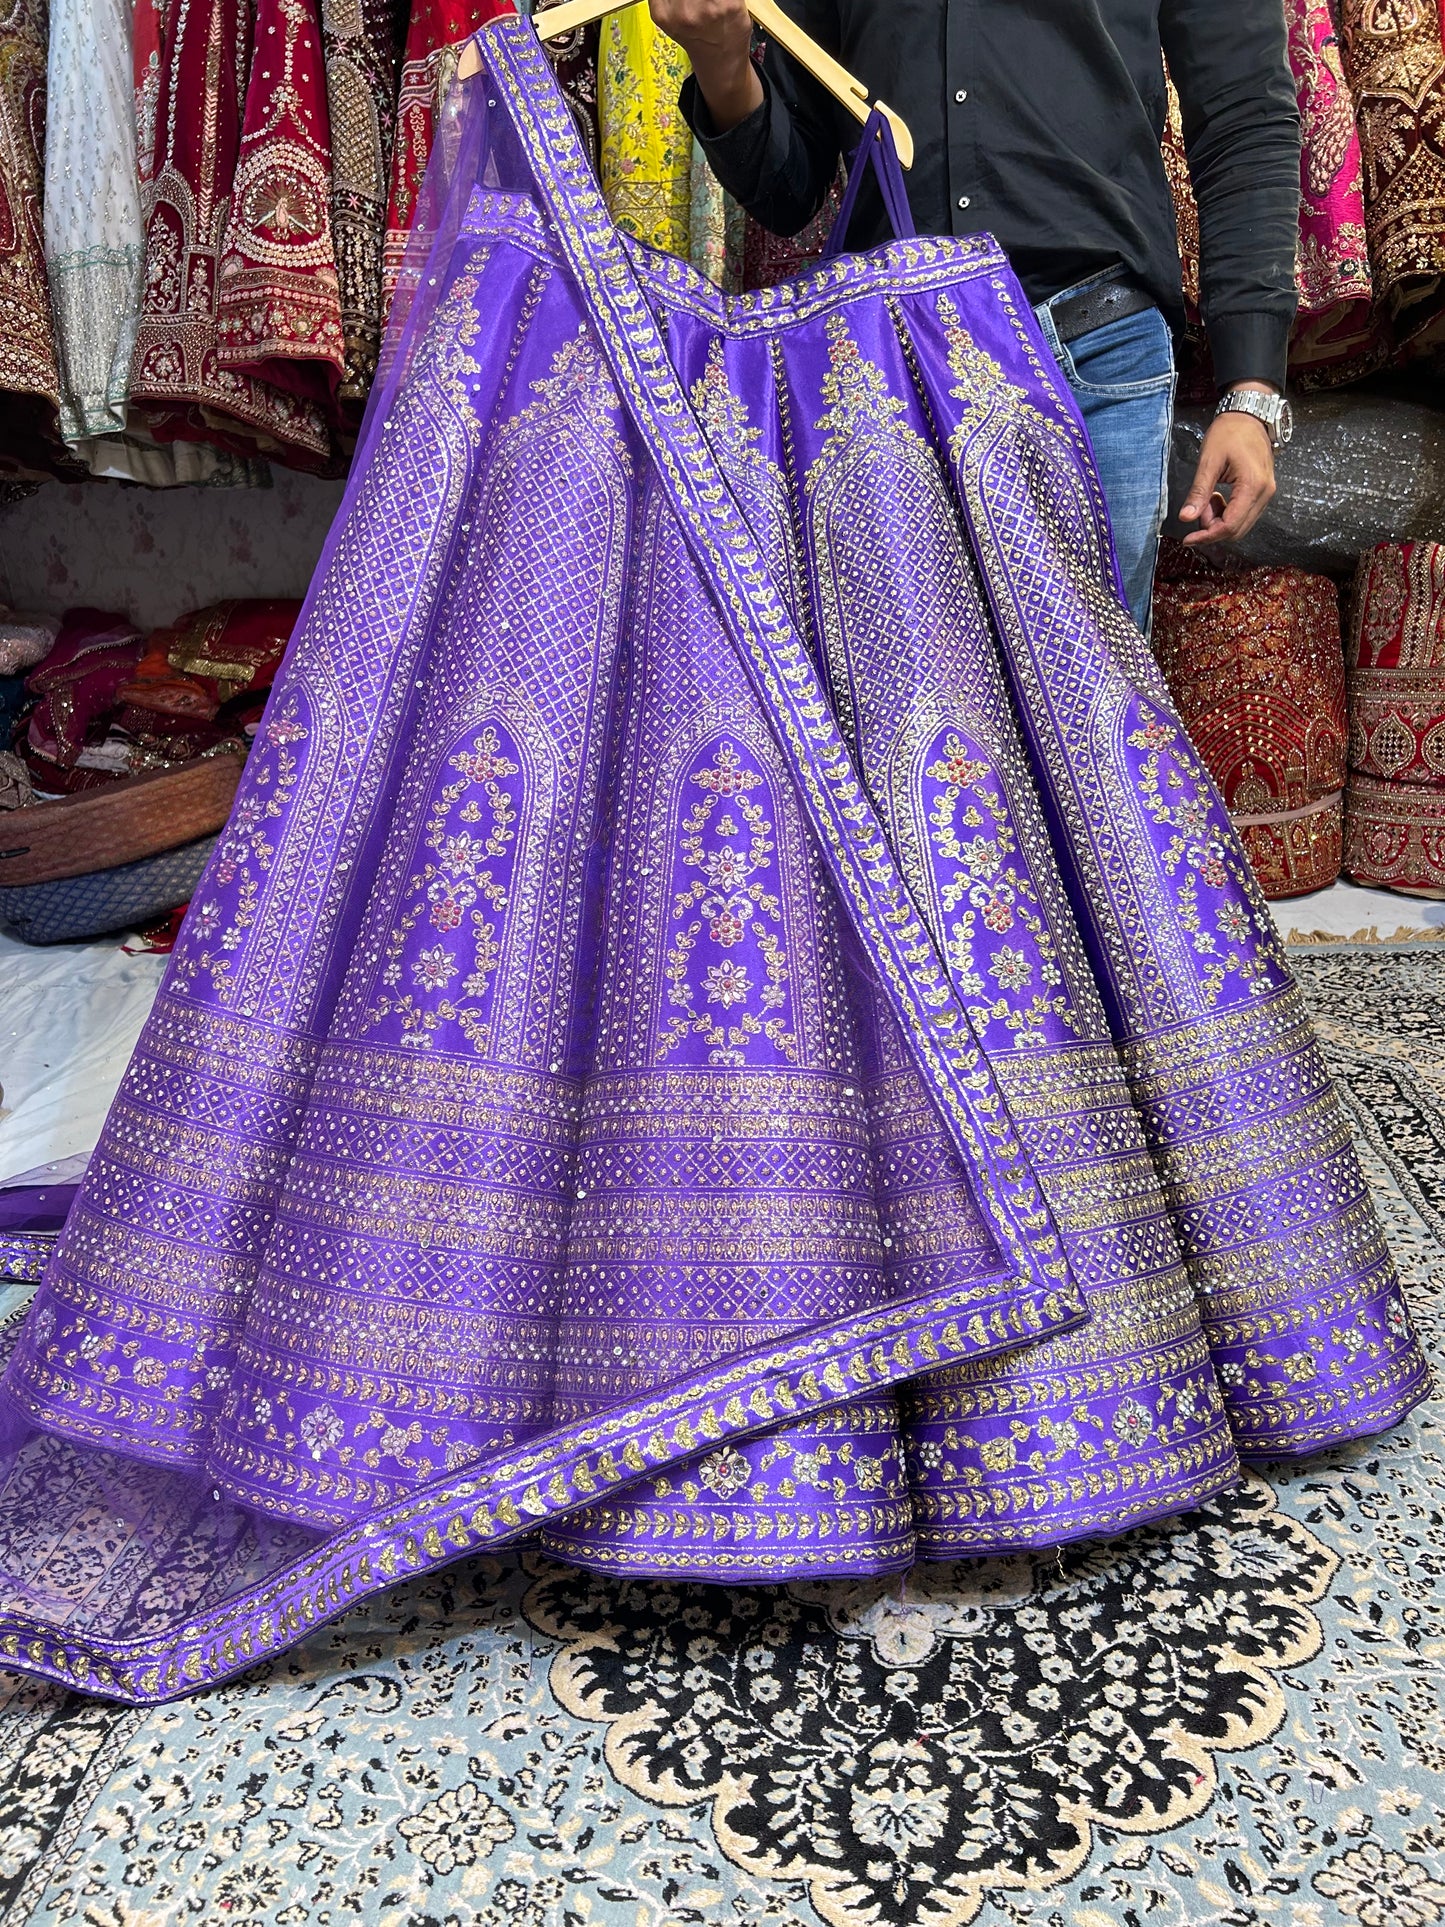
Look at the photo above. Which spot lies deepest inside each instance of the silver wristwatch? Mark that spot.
(1273, 410)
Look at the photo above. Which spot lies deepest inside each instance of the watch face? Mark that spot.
(1285, 426)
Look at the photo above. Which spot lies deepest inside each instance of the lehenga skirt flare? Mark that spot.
(728, 1029)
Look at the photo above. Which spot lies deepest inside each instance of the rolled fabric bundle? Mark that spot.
(1395, 833)
(1254, 662)
(199, 664)
(77, 683)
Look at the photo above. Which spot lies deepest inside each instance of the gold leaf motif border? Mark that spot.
(576, 1465)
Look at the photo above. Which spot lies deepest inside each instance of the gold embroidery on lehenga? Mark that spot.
(759, 483)
(938, 745)
(1191, 1059)
(733, 899)
(459, 872)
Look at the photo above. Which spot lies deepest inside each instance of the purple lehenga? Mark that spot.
(728, 1027)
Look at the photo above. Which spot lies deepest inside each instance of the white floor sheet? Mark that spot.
(69, 1017)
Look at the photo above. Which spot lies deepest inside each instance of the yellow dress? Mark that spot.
(646, 143)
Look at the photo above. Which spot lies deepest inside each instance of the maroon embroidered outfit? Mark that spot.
(1396, 817)
(194, 390)
(278, 318)
(362, 45)
(29, 385)
(1254, 663)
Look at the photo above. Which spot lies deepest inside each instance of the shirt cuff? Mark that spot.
(1249, 347)
(747, 156)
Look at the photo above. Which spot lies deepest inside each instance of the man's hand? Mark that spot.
(717, 37)
(1238, 453)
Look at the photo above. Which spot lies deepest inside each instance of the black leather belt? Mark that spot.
(1094, 307)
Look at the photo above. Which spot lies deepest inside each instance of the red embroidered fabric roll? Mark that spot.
(1395, 836)
(436, 33)
(1255, 664)
(1396, 657)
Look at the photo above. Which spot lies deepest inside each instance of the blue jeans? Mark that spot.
(1122, 376)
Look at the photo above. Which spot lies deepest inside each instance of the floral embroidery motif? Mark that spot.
(463, 886)
(723, 1473)
(987, 885)
(981, 382)
(855, 390)
(244, 854)
(578, 388)
(726, 892)
(1219, 906)
(454, 334)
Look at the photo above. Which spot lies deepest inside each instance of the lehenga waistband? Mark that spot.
(898, 267)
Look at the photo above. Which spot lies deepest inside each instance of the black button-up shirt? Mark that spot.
(1040, 120)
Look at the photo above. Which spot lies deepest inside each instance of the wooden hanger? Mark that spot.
(842, 85)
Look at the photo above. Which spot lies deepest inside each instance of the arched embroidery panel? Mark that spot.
(691, 705)
(546, 696)
(1026, 509)
(1073, 488)
(728, 966)
(382, 581)
(1003, 924)
(915, 671)
(1191, 873)
(472, 882)
(228, 894)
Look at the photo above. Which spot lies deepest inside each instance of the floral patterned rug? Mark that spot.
(1235, 1719)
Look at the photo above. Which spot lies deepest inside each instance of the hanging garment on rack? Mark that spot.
(1336, 319)
(363, 60)
(790, 1075)
(29, 378)
(94, 241)
(278, 314)
(179, 371)
(716, 226)
(436, 33)
(1181, 187)
(1394, 58)
(1336, 322)
(574, 61)
(133, 454)
(147, 64)
(770, 258)
(646, 163)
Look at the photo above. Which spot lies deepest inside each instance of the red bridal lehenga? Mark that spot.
(729, 1027)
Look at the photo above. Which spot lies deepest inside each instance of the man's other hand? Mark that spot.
(1238, 455)
(717, 37)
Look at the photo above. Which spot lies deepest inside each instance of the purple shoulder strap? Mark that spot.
(875, 146)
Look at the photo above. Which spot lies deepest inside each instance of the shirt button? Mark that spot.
(963, 200)
(961, 96)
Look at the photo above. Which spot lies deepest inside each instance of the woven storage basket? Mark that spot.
(123, 823)
(70, 909)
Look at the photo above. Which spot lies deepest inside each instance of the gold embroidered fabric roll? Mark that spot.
(1254, 662)
(1395, 833)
